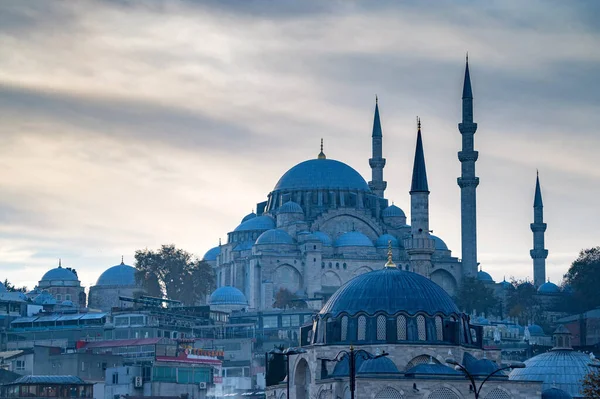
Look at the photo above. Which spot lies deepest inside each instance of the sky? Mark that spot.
(125, 125)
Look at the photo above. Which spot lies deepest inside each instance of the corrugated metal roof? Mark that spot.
(24, 320)
(89, 316)
(66, 317)
(48, 318)
(122, 342)
(49, 379)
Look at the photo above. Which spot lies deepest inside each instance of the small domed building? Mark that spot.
(227, 299)
(63, 285)
(416, 323)
(115, 281)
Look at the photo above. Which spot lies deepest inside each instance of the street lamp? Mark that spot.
(352, 354)
(287, 353)
(477, 391)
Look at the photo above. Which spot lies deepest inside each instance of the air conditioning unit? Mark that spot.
(202, 385)
(137, 382)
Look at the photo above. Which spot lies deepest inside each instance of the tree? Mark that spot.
(591, 385)
(10, 287)
(173, 273)
(522, 302)
(284, 299)
(72, 270)
(584, 278)
(475, 295)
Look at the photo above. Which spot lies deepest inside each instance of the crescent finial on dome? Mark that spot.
(390, 263)
(321, 154)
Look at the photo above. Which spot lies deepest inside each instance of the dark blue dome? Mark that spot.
(353, 239)
(324, 238)
(227, 296)
(393, 211)
(390, 290)
(119, 275)
(555, 393)
(381, 365)
(549, 288)
(319, 174)
(275, 236)
(432, 369)
(383, 241)
(257, 223)
(211, 254)
(535, 330)
(563, 369)
(485, 277)
(290, 207)
(440, 245)
(59, 273)
(249, 216)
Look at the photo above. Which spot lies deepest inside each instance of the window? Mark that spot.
(68, 297)
(401, 328)
(290, 320)
(20, 365)
(115, 378)
(121, 321)
(362, 328)
(270, 322)
(381, 327)
(422, 335)
(136, 320)
(344, 266)
(82, 366)
(439, 328)
(497, 393)
(443, 393)
(344, 328)
(59, 297)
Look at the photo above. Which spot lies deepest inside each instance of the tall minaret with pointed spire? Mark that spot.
(377, 162)
(538, 227)
(419, 246)
(467, 181)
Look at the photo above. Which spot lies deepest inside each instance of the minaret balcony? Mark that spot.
(538, 253)
(375, 163)
(466, 156)
(468, 182)
(538, 227)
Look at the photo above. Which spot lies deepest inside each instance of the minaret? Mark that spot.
(377, 162)
(538, 227)
(467, 181)
(419, 245)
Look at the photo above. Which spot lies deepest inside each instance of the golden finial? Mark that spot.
(122, 260)
(418, 123)
(390, 263)
(376, 99)
(321, 154)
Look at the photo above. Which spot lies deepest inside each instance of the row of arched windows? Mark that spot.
(381, 325)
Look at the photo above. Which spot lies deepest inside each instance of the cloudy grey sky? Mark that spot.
(127, 125)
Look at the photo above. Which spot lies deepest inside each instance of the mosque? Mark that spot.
(323, 224)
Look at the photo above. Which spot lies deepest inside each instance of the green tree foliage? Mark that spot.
(10, 287)
(522, 302)
(591, 385)
(584, 278)
(284, 299)
(474, 295)
(173, 273)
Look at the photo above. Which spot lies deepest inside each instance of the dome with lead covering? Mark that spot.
(320, 174)
(227, 295)
(249, 216)
(257, 223)
(59, 274)
(383, 241)
(290, 207)
(555, 393)
(484, 276)
(275, 236)
(380, 365)
(393, 211)
(440, 245)
(548, 288)
(119, 275)
(324, 238)
(212, 254)
(353, 239)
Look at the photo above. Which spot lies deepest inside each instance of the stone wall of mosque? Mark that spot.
(106, 297)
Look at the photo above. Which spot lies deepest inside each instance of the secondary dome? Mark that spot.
(390, 290)
(249, 216)
(549, 288)
(393, 211)
(383, 241)
(257, 223)
(484, 276)
(227, 296)
(275, 236)
(320, 174)
(324, 238)
(555, 393)
(290, 207)
(440, 245)
(353, 239)
(211, 254)
(119, 275)
(59, 273)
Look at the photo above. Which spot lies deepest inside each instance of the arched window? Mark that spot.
(388, 393)
(401, 328)
(344, 328)
(362, 328)
(439, 328)
(443, 393)
(381, 327)
(422, 335)
(497, 393)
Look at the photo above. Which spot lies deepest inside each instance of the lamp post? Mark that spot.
(287, 353)
(477, 391)
(352, 354)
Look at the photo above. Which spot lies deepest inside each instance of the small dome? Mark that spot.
(324, 238)
(535, 330)
(482, 321)
(548, 288)
(390, 291)
(555, 393)
(119, 275)
(321, 174)
(381, 365)
(59, 274)
(563, 369)
(249, 216)
(257, 223)
(212, 254)
(275, 236)
(482, 367)
(485, 277)
(506, 285)
(393, 211)
(435, 369)
(382, 241)
(353, 239)
(67, 303)
(290, 207)
(440, 245)
(44, 299)
(227, 296)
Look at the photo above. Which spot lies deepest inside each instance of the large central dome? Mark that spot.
(390, 291)
(320, 174)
